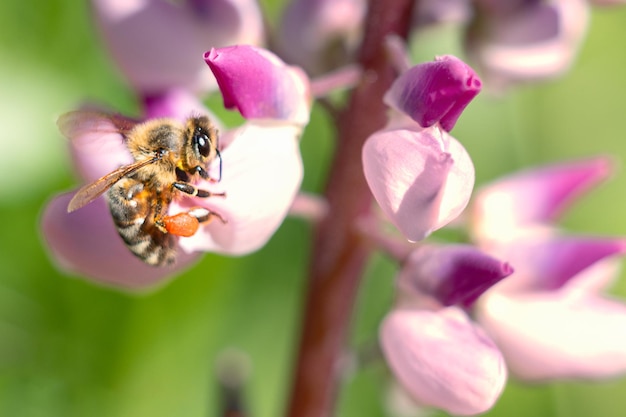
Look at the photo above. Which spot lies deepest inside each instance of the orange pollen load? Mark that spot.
(181, 224)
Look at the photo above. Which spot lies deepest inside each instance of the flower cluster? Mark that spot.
(535, 293)
(518, 297)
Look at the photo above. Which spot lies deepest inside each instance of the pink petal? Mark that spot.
(537, 195)
(452, 274)
(177, 104)
(553, 335)
(320, 35)
(96, 145)
(262, 172)
(443, 359)
(435, 92)
(422, 180)
(86, 243)
(159, 44)
(549, 263)
(259, 84)
(539, 41)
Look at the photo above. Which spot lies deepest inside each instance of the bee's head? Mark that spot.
(201, 146)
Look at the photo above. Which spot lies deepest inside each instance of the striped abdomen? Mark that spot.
(133, 208)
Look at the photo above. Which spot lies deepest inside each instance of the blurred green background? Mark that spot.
(72, 348)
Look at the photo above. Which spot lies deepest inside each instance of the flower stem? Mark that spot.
(339, 251)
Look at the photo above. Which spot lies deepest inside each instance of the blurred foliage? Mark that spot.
(69, 347)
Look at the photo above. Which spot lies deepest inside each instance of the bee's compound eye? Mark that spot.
(202, 143)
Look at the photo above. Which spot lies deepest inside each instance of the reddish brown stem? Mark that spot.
(339, 252)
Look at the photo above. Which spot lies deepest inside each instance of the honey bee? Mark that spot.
(168, 155)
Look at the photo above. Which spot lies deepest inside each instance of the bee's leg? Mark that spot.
(193, 191)
(204, 215)
(186, 224)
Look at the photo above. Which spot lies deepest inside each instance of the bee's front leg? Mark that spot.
(194, 191)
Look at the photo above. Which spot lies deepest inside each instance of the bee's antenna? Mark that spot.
(219, 155)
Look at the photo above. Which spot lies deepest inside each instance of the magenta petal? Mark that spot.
(159, 44)
(421, 180)
(435, 92)
(259, 84)
(547, 264)
(554, 335)
(537, 195)
(452, 274)
(86, 243)
(443, 359)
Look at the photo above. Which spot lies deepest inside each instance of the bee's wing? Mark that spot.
(91, 191)
(76, 123)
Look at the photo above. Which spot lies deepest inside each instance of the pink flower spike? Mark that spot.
(554, 335)
(452, 274)
(86, 243)
(260, 85)
(422, 180)
(159, 44)
(443, 360)
(435, 92)
(537, 195)
(262, 175)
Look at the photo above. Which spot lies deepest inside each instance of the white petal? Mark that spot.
(557, 335)
(262, 172)
(422, 179)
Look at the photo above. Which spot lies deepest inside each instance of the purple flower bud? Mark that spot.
(259, 84)
(452, 274)
(435, 92)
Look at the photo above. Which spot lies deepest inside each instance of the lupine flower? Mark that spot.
(321, 35)
(159, 44)
(422, 177)
(532, 199)
(551, 319)
(262, 171)
(438, 355)
(516, 41)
